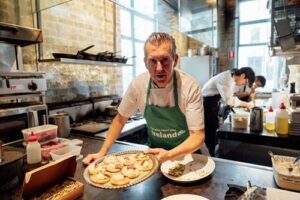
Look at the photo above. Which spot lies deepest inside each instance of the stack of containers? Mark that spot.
(47, 137)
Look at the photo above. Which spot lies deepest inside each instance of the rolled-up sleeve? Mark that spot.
(128, 105)
(194, 109)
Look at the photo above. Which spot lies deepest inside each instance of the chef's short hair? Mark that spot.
(157, 38)
(249, 74)
(262, 80)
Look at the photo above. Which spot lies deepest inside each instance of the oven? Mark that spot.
(22, 103)
(14, 120)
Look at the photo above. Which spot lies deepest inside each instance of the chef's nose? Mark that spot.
(159, 66)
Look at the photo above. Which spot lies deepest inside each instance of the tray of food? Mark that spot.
(286, 172)
(121, 170)
(190, 168)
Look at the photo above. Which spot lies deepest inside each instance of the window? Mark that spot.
(137, 19)
(254, 35)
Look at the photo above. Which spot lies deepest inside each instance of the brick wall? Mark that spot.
(226, 32)
(70, 27)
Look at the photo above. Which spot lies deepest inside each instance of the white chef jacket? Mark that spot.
(189, 98)
(222, 84)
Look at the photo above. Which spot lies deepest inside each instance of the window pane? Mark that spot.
(145, 7)
(126, 48)
(255, 33)
(143, 28)
(258, 59)
(140, 65)
(254, 10)
(126, 71)
(125, 23)
(125, 3)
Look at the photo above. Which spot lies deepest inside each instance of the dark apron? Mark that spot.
(167, 126)
(211, 109)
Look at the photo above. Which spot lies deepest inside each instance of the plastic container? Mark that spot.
(270, 120)
(66, 151)
(33, 150)
(282, 120)
(43, 133)
(283, 177)
(52, 145)
(240, 120)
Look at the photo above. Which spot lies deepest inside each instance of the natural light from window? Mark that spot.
(254, 37)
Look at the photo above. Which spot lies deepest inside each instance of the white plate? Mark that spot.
(184, 197)
(197, 167)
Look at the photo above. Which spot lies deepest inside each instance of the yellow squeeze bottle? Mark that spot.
(270, 120)
(282, 120)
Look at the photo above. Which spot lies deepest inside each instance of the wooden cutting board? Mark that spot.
(91, 128)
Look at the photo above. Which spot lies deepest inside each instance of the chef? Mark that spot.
(170, 101)
(221, 87)
(243, 92)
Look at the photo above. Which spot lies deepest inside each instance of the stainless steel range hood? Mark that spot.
(19, 35)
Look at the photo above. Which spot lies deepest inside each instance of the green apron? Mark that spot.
(167, 126)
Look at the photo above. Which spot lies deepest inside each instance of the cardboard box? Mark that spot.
(43, 178)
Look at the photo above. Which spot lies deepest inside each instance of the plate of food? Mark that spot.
(184, 196)
(190, 168)
(121, 170)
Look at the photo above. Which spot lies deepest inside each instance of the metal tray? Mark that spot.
(141, 178)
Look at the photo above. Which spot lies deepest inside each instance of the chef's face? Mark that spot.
(160, 62)
(240, 79)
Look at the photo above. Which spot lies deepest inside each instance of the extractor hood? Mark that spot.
(19, 35)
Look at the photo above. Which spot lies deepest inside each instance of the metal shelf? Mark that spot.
(86, 62)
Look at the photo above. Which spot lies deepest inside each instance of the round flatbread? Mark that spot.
(110, 159)
(127, 159)
(141, 156)
(144, 165)
(100, 178)
(119, 179)
(95, 169)
(114, 167)
(130, 171)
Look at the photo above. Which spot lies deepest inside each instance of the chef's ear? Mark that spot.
(243, 75)
(176, 60)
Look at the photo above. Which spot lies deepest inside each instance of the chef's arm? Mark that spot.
(191, 144)
(242, 94)
(113, 133)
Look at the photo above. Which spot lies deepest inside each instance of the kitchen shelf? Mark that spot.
(86, 62)
(19, 35)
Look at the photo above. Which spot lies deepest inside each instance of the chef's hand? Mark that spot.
(161, 154)
(90, 158)
(250, 105)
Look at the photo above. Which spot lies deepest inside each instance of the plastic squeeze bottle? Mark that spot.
(33, 150)
(282, 120)
(270, 120)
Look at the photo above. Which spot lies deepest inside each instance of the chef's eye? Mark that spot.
(152, 62)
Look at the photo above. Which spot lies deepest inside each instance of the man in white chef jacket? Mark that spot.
(221, 87)
(169, 99)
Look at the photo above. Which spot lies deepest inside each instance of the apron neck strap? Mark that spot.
(174, 89)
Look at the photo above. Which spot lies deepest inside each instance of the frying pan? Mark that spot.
(79, 54)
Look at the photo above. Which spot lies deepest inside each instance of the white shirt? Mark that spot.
(221, 84)
(189, 98)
